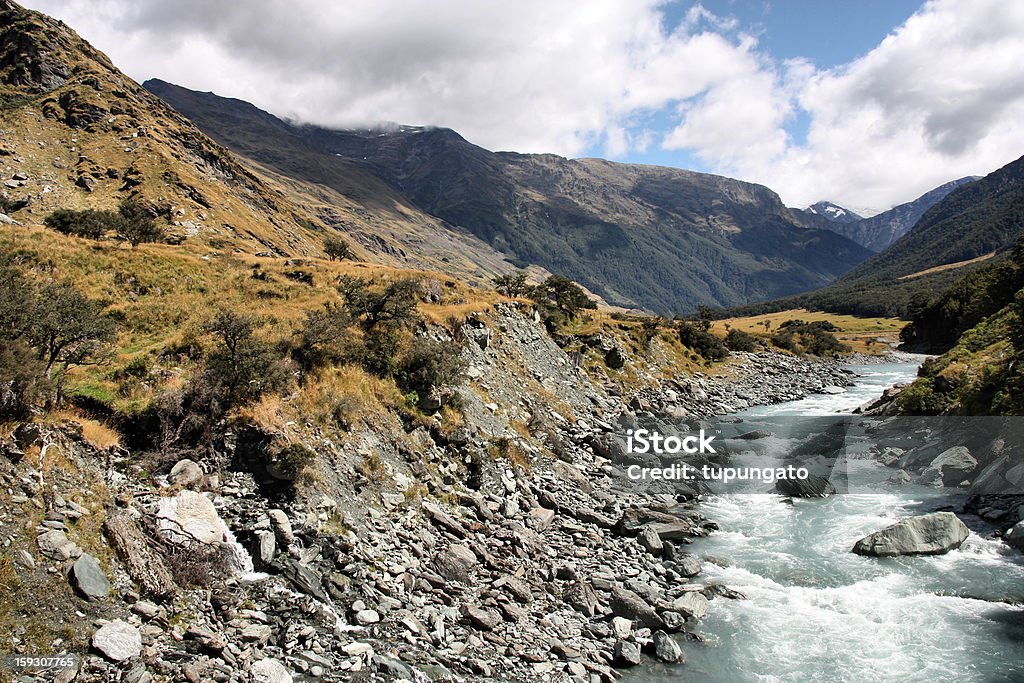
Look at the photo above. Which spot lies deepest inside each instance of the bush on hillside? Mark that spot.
(701, 340)
(738, 340)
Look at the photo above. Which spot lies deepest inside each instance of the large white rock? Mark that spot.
(194, 514)
(270, 671)
(932, 534)
(118, 641)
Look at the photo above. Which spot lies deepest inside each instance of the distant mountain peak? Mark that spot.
(833, 212)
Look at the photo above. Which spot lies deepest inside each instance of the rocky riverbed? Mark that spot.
(494, 551)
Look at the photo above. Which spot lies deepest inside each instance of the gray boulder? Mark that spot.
(932, 534)
(628, 605)
(88, 579)
(813, 486)
(952, 467)
(666, 649)
(1014, 536)
(692, 605)
(186, 473)
(270, 671)
(626, 654)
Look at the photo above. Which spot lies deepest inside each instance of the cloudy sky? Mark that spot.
(868, 103)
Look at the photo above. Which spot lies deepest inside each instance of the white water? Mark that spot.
(817, 612)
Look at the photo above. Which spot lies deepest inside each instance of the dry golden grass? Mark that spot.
(96, 434)
(858, 333)
(948, 266)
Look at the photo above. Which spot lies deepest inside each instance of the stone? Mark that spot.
(932, 534)
(615, 359)
(628, 605)
(306, 579)
(191, 514)
(651, 541)
(55, 545)
(118, 641)
(256, 633)
(1014, 536)
(688, 564)
(147, 609)
(666, 649)
(394, 669)
(626, 654)
(481, 617)
(582, 597)
(900, 478)
(691, 605)
(264, 548)
(366, 617)
(186, 473)
(270, 671)
(951, 468)
(282, 527)
(540, 519)
(814, 486)
(622, 628)
(88, 579)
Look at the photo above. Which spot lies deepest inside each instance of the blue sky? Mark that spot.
(828, 34)
(868, 103)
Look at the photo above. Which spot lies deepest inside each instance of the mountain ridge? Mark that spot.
(657, 238)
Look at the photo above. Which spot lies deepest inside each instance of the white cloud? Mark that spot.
(941, 97)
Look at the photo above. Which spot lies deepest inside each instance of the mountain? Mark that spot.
(881, 230)
(975, 223)
(833, 213)
(77, 133)
(657, 238)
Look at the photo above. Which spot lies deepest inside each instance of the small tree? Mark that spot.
(137, 225)
(337, 249)
(321, 334)
(243, 367)
(67, 329)
(512, 284)
(738, 340)
(567, 296)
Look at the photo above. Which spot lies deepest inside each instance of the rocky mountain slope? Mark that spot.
(497, 546)
(656, 238)
(77, 133)
(879, 232)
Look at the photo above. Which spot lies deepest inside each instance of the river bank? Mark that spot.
(494, 549)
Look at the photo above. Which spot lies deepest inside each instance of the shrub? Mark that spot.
(561, 294)
(706, 344)
(90, 223)
(22, 380)
(429, 363)
(322, 335)
(243, 367)
(337, 249)
(67, 329)
(815, 338)
(382, 347)
(137, 225)
(512, 284)
(738, 340)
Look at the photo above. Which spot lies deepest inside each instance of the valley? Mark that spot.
(282, 402)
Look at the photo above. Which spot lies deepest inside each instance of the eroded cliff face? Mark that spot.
(485, 541)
